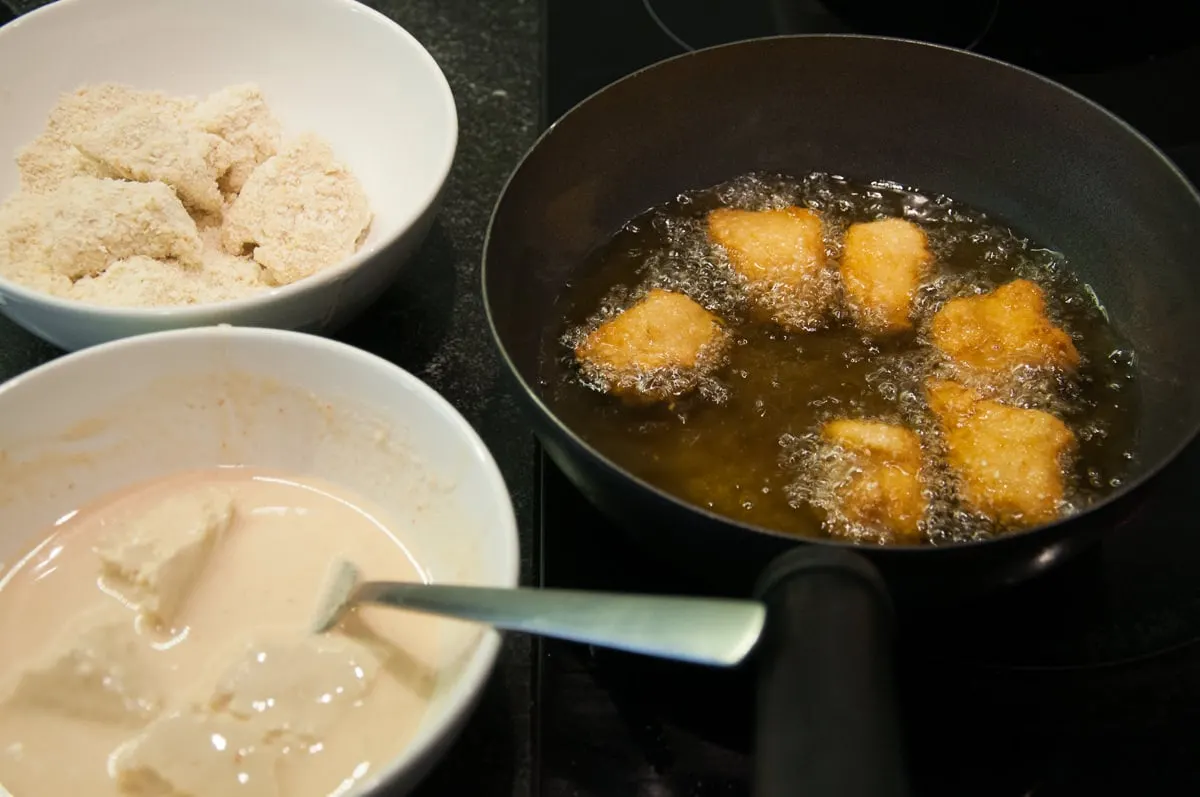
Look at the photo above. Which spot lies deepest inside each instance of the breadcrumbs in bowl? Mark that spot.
(252, 162)
(135, 198)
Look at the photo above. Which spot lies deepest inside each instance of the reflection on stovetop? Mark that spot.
(701, 23)
(1137, 65)
(1087, 679)
(1036, 35)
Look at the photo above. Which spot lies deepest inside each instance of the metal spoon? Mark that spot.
(702, 630)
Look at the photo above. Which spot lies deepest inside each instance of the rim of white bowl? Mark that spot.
(471, 682)
(200, 312)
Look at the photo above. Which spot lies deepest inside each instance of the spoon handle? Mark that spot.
(702, 630)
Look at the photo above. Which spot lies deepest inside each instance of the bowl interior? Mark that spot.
(333, 67)
(219, 395)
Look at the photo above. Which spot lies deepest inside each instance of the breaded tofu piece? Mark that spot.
(18, 224)
(176, 757)
(137, 281)
(301, 211)
(144, 143)
(36, 279)
(86, 223)
(155, 559)
(1003, 330)
(883, 265)
(655, 350)
(145, 282)
(95, 672)
(880, 488)
(781, 255)
(240, 115)
(1009, 461)
(78, 110)
(51, 158)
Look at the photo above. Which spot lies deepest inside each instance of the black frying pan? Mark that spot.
(993, 136)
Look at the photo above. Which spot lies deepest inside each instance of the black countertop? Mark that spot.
(432, 324)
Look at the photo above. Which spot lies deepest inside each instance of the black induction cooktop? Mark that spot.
(1086, 682)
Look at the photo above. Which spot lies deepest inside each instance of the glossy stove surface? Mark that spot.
(1140, 65)
(1086, 682)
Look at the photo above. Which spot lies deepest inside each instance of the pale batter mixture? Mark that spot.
(157, 643)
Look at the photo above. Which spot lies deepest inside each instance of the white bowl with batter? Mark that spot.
(277, 402)
(332, 67)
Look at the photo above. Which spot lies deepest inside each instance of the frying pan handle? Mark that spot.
(827, 719)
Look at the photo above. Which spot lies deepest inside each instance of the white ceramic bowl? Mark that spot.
(334, 67)
(199, 398)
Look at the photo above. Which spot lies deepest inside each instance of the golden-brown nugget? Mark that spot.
(883, 264)
(657, 349)
(781, 255)
(880, 488)
(1003, 330)
(1009, 461)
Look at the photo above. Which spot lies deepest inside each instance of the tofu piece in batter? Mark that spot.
(240, 116)
(877, 473)
(155, 560)
(781, 255)
(883, 265)
(301, 687)
(1003, 330)
(300, 211)
(87, 223)
(278, 694)
(51, 158)
(94, 672)
(144, 143)
(657, 349)
(1009, 461)
(189, 754)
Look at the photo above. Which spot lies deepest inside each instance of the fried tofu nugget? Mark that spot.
(1009, 461)
(240, 116)
(781, 255)
(144, 143)
(655, 350)
(51, 158)
(877, 474)
(1003, 330)
(300, 210)
(87, 223)
(883, 264)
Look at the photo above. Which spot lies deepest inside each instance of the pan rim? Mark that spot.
(1129, 488)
